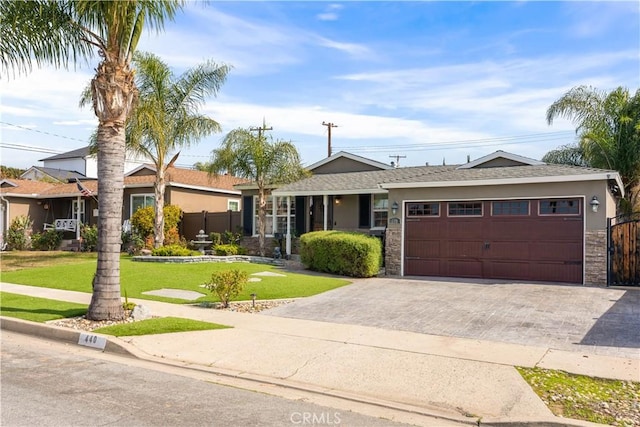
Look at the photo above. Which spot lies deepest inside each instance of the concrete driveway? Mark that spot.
(583, 319)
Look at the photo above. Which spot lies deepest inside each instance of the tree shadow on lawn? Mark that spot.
(45, 313)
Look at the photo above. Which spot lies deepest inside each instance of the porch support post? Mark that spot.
(78, 218)
(288, 244)
(325, 207)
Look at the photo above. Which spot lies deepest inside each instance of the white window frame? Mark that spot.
(384, 209)
(230, 202)
(273, 214)
(145, 195)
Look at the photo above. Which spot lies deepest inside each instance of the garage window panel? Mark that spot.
(423, 209)
(510, 207)
(465, 209)
(560, 207)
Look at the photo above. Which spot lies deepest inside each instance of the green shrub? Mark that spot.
(143, 221)
(18, 236)
(132, 243)
(347, 254)
(227, 284)
(231, 238)
(89, 235)
(228, 250)
(172, 250)
(47, 241)
(216, 239)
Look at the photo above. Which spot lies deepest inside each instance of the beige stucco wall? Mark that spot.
(345, 213)
(585, 190)
(197, 201)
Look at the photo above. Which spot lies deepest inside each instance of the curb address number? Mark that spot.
(90, 340)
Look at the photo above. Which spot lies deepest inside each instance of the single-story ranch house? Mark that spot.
(502, 216)
(62, 205)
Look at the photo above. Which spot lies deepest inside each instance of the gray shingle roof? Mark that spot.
(80, 152)
(374, 181)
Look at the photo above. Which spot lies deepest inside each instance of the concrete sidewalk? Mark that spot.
(455, 379)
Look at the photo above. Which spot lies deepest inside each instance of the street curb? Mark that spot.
(122, 347)
(59, 333)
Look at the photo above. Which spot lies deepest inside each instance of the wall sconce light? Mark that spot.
(338, 199)
(594, 203)
(46, 206)
(394, 208)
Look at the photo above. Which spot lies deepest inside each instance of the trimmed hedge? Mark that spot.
(173, 250)
(343, 253)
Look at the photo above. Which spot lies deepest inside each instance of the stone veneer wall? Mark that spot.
(595, 258)
(392, 260)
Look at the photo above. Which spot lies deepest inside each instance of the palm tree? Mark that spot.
(608, 127)
(60, 33)
(167, 118)
(570, 154)
(260, 160)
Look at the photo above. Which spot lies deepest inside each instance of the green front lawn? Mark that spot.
(38, 309)
(43, 310)
(139, 277)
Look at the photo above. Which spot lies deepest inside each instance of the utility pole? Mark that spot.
(398, 157)
(329, 126)
(261, 129)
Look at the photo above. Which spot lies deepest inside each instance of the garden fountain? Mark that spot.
(200, 243)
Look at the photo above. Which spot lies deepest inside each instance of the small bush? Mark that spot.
(47, 241)
(216, 239)
(228, 250)
(89, 235)
(172, 250)
(132, 243)
(227, 284)
(231, 238)
(172, 237)
(18, 236)
(143, 220)
(347, 254)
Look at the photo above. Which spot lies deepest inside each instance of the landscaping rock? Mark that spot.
(141, 312)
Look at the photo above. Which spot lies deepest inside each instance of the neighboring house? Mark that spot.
(40, 173)
(502, 216)
(63, 205)
(81, 161)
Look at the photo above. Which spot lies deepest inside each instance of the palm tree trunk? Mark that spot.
(113, 93)
(106, 299)
(159, 187)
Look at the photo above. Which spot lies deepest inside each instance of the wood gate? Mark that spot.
(624, 251)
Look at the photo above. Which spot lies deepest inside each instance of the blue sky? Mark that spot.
(429, 81)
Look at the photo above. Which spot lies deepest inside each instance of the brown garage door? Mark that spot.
(538, 240)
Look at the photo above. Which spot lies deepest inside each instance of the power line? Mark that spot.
(33, 148)
(529, 138)
(43, 132)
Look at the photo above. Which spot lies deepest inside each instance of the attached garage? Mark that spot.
(529, 240)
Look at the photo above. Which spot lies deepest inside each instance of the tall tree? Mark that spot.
(60, 33)
(258, 158)
(167, 117)
(608, 127)
(569, 154)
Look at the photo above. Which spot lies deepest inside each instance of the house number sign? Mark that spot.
(90, 340)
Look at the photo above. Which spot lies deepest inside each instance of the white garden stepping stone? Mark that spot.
(176, 293)
(269, 273)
